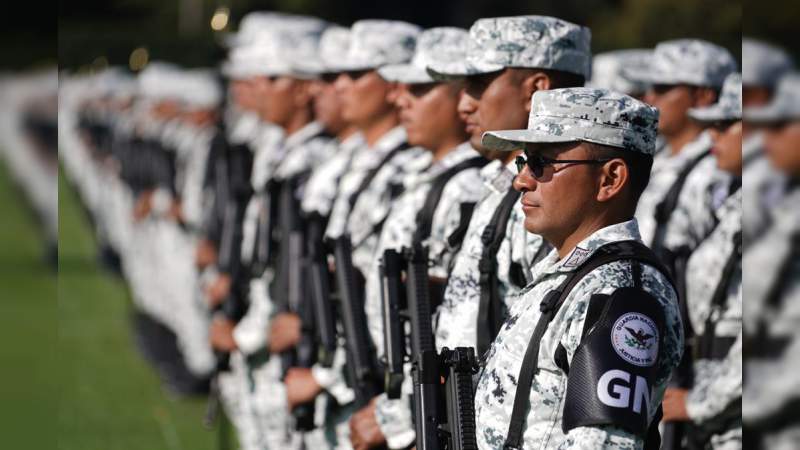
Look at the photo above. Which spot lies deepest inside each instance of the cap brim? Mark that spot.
(510, 140)
(712, 113)
(460, 69)
(767, 114)
(350, 66)
(405, 73)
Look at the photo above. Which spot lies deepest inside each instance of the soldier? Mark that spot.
(771, 297)
(592, 371)
(714, 298)
(763, 65)
(428, 114)
(508, 59)
(676, 208)
(286, 106)
(366, 104)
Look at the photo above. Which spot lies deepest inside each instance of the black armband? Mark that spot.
(613, 371)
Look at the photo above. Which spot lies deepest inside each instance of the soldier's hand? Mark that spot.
(284, 333)
(675, 405)
(301, 386)
(206, 254)
(218, 290)
(221, 334)
(364, 430)
(143, 206)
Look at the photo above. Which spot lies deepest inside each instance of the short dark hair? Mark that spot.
(639, 166)
(558, 78)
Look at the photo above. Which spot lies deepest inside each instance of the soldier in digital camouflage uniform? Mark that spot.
(763, 65)
(580, 207)
(771, 291)
(714, 298)
(376, 133)
(373, 43)
(428, 114)
(273, 52)
(306, 384)
(507, 58)
(683, 73)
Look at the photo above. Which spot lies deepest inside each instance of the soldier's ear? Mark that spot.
(614, 175)
(535, 81)
(704, 96)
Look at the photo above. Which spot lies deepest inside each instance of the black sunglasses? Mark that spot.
(537, 163)
(356, 74)
(722, 125)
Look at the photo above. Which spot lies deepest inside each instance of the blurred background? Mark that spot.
(96, 33)
(65, 339)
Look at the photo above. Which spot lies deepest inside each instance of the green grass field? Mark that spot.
(72, 375)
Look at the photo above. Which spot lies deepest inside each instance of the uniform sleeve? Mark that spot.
(693, 218)
(394, 416)
(332, 378)
(597, 438)
(251, 333)
(712, 394)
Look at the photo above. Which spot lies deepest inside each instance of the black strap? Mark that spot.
(617, 251)
(490, 314)
(668, 204)
(425, 215)
(457, 236)
(706, 347)
(367, 180)
(774, 296)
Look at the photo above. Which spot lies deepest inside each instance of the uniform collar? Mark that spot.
(304, 134)
(731, 205)
(624, 231)
(498, 177)
(461, 153)
(390, 140)
(352, 142)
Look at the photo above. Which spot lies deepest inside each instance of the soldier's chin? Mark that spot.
(533, 222)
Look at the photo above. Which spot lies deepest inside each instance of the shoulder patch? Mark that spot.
(576, 258)
(635, 338)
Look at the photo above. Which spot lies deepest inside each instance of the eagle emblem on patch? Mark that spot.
(634, 337)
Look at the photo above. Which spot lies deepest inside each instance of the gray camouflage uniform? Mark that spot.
(496, 43)
(697, 63)
(763, 65)
(772, 297)
(718, 382)
(437, 44)
(567, 115)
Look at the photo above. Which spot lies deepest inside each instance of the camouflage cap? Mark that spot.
(537, 42)
(275, 51)
(763, 64)
(785, 104)
(251, 25)
(157, 81)
(443, 45)
(610, 70)
(199, 89)
(332, 45)
(583, 114)
(376, 43)
(729, 105)
(687, 61)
